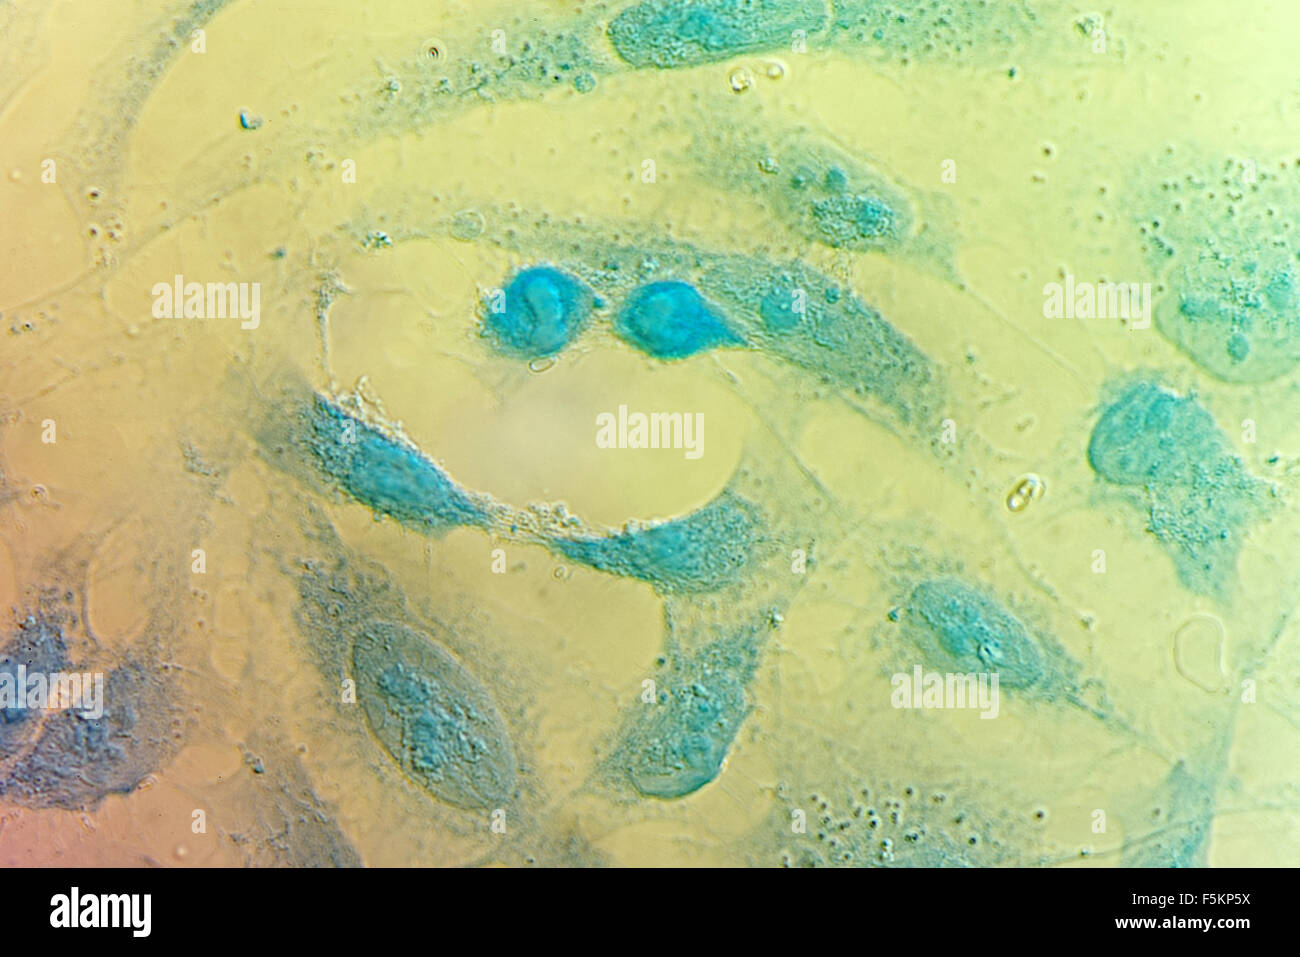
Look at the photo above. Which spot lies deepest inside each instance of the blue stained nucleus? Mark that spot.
(671, 320)
(540, 313)
(976, 633)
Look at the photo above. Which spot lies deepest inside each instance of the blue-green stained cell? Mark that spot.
(1221, 238)
(703, 551)
(804, 318)
(79, 756)
(678, 33)
(1236, 311)
(671, 320)
(677, 745)
(38, 646)
(706, 550)
(820, 190)
(1198, 496)
(782, 308)
(385, 474)
(538, 314)
(435, 719)
(1151, 436)
(685, 741)
(974, 633)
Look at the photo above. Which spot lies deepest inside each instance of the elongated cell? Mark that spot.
(814, 189)
(707, 549)
(951, 624)
(433, 717)
(346, 447)
(970, 632)
(680, 33)
(385, 473)
(676, 738)
(676, 745)
(442, 717)
(1198, 497)
(674, 300)
(805, 318)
